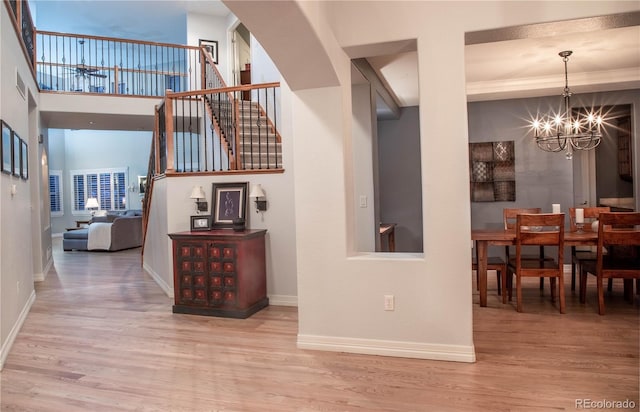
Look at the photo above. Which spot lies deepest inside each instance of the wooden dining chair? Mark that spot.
(619, 235)
(500, 266)
(509, 219)
(580, 254)
(540, 229)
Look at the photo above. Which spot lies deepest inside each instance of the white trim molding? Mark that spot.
(283, 300)
(417, 350)
(13, 334)
(158, 279)
(39, 277)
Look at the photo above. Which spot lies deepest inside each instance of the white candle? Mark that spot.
(579, 215)
(555, 208)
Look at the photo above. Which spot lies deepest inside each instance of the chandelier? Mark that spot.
(567, 130)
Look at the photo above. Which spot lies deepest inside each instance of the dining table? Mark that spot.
(502, 237)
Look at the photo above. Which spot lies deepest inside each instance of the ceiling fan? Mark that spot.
(82, 70)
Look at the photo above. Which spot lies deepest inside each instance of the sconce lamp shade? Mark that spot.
(92, 203)
(256, 191)
(197, 193)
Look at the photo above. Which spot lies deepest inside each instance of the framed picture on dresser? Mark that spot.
(200, 223)
(229, 201)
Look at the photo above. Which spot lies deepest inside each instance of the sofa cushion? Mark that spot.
(76, 234)
(109, 218)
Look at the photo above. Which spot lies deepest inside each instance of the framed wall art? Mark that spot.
(16, 147)
(492, 170)
(24, 160)
(5, 149)
(200, 223)
(229, 202)
(212, 47)
(142, 184)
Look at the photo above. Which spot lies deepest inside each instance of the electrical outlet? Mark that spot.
(389, 303)
(363, 201)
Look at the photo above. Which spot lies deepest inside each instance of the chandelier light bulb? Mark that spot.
(558, 119)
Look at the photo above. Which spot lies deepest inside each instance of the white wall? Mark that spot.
(17, 240)
(362, 158)
(341, 297)
(172, 195)
(211, 28)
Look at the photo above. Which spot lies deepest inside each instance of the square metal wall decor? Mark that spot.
(492, 171)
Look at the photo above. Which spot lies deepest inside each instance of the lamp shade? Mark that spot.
(92, 203)
(197, 193)
(256, 191)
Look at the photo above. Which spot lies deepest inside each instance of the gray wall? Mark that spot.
(400, 186)
(541, 178)
(94, 149)
(608, 181)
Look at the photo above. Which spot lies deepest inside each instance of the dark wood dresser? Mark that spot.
(219, 272)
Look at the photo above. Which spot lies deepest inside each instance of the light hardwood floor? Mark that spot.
(101, 337)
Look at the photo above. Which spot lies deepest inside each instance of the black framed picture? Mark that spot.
(212, 47)
(200, 223)
(142, 184)
(229, 201)
(16, 147)
(5, 149)
(24, 162)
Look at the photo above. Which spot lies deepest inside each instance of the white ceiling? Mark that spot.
(601, 60)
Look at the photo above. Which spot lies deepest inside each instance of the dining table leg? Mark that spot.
(481, 258)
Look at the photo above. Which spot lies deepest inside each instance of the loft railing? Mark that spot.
(216, 130)
(63, 62)
(92, 64)
(23, 24)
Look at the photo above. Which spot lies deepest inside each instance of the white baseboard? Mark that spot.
(56, 235)
(40, 277)
(6, 345)
(158, 279)
(283, 300)
(415, 350)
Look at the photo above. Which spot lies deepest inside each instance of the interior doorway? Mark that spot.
(604, 176)
(241, 38)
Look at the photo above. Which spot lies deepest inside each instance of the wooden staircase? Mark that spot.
(259, 144)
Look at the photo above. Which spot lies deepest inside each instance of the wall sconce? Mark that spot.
(92, 205)
(257, 192)
(198, 193)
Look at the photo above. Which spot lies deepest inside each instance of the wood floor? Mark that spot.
(101, 337)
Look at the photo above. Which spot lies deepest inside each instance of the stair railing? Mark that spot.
(215, 130)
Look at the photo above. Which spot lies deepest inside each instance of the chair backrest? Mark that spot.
(619, 236)
(590, 215)
(542, 229)
(509, 215)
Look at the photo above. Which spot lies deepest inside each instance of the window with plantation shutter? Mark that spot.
(108, 186)
(55, 193)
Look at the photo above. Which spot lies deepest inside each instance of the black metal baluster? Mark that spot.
(184, 157)
(266, 109)
(275, 125)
